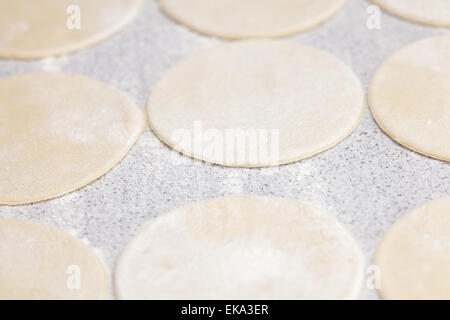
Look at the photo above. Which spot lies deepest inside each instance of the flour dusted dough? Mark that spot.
(414, 256)
(237, 19)
(241, 248)
(39, 261)
(410, 97)
(38, 28)
(431, 12)
(59, 132)
(307, 97)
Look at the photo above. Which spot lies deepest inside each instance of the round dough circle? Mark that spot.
(296, 100)
(409, 97)
(241, 248)
(237, 19)
(431, 12)
(40, 28)
(41, 262)
(59, 132)
(414, 256)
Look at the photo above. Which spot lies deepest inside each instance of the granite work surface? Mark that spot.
(368, 181)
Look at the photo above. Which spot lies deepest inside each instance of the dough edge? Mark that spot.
(379, 252)
(103, 170)
(354, 293)
(313, 23)
(408, 17)
(372, 102)
(75, 46)
(96, 252)
(247, 165)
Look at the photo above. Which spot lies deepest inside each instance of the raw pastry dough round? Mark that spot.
(59, 132)
(237, 19)
(242, 248)
(414, 256)
(431, 12)
(409, 97)
(301, 98)
(41, 262)
(39, 28)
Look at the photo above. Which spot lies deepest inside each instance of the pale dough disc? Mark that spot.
(431, 12)
(296, 100)
(59, 132)
(38, 28)
(241, 248)
(410, 97)
(238, 19)
(414, 256)
(39, 261)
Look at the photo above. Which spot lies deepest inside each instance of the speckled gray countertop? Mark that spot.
(368, 180)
